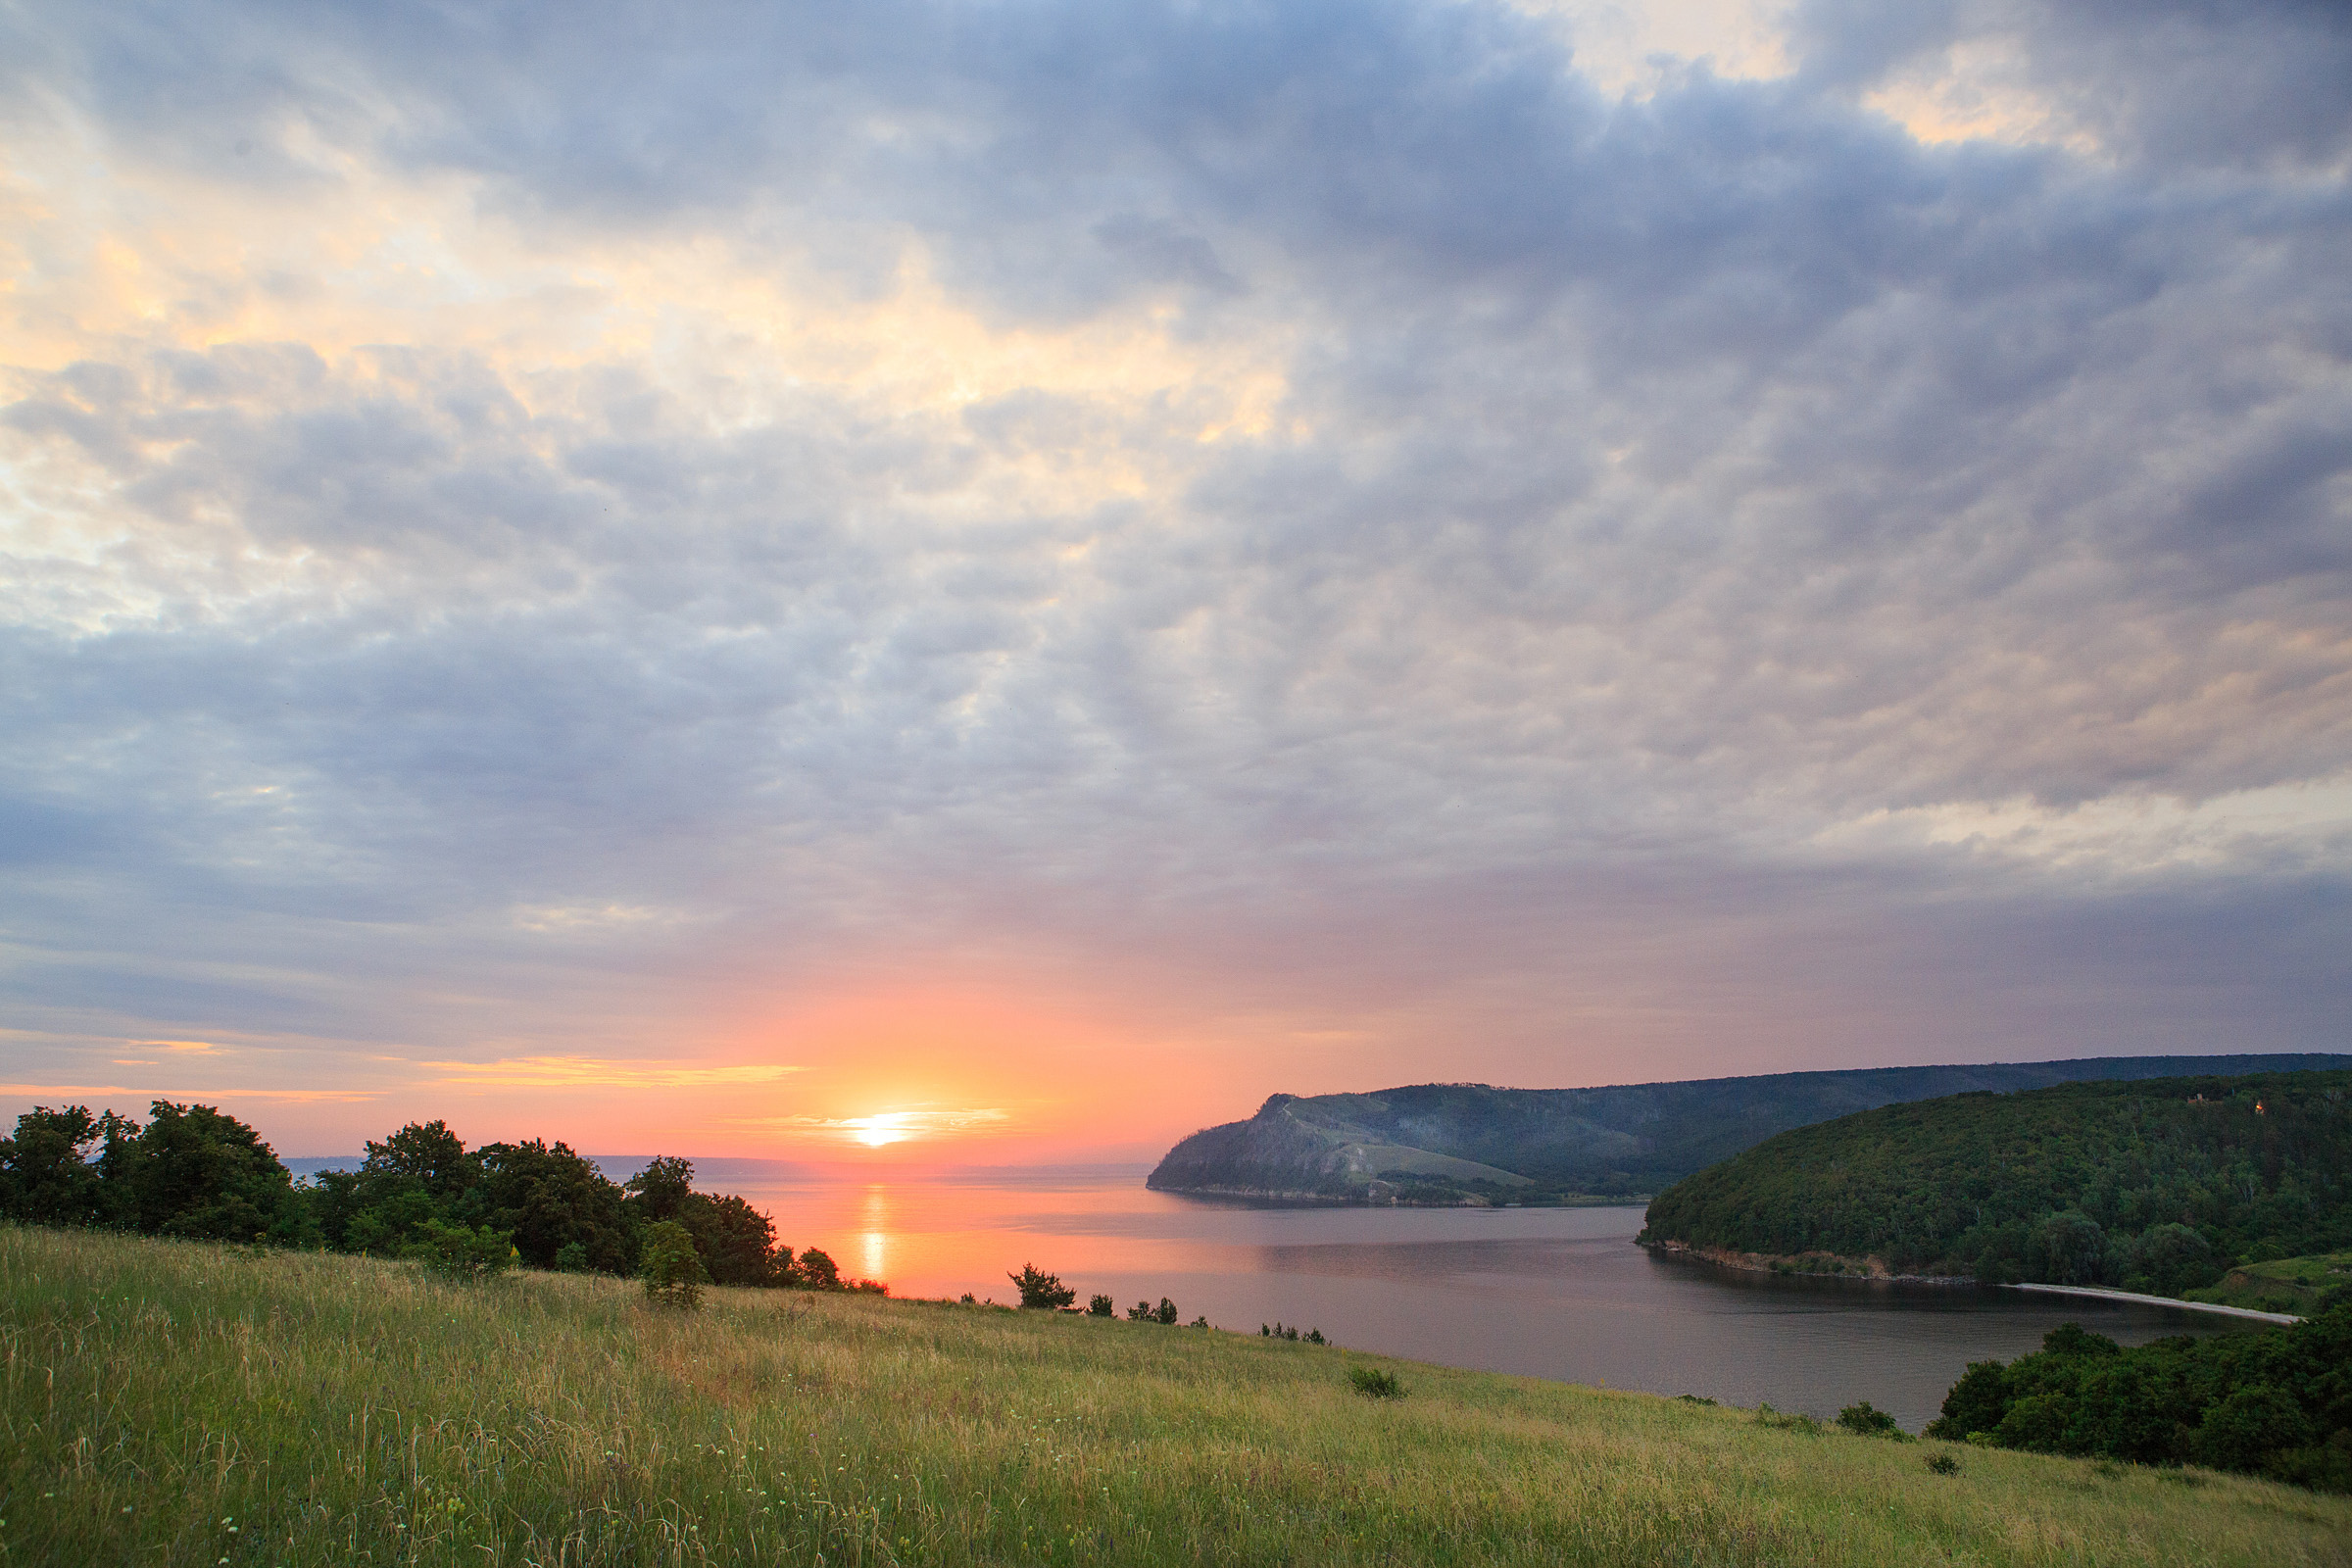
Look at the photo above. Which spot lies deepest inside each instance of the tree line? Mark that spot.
(2158, 1186)
(193, 1171)
(2277, 1402)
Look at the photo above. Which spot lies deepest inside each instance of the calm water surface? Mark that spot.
(1549, 1292)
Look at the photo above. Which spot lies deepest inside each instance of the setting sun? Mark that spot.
(875, 1131)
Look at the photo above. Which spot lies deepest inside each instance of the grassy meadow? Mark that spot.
(190, 1403)
(2286, 1284)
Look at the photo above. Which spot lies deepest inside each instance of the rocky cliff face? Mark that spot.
(1311, 1151)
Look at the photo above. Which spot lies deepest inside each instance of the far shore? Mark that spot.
(1875, 1270)
(2158, 1301)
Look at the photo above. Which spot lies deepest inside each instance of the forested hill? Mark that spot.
(2157, 1184)
(1450, 1141)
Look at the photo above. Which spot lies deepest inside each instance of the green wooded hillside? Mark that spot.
(2159, 1185)
(1450, 1142)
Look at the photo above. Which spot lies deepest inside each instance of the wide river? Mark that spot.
(1553, 1292)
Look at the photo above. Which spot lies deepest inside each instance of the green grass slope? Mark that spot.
(2298, 1285)
(2160, 1185)
(180, 1403)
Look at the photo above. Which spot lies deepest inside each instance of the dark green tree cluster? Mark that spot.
(420, 1194)
(2277, 1403)
(190, 1171)
(2155, 1185)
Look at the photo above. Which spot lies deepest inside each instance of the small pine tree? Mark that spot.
(673, 1270)
(1099, 1306)
(1167, 1311)
(1041, 1289)
(1140, 1312)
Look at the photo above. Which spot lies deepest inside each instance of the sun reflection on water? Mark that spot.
(875, 1237)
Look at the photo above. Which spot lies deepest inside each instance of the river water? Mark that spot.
(1553, 1292)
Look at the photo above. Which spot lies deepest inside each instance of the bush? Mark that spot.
(1041, 1289)
(1375, 1383)
(1165, 1312)
(2243, 1430)
(2266, 1402)
(1141, 1312)
(673, 1270)
(816, 1271)
(1943, 1464)
(456, 1253)
(1099, 1306)
(1786, 1420)
(1870, 1422)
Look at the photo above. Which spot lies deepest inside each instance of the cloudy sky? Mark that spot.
(681, 576)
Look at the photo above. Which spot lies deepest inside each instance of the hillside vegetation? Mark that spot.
(1471, 1143)
(177, 1403)
(2159, 1186)
(2297, 1285)
(2277, 1403)
(196, 1172)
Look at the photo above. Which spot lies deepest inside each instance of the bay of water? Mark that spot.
(1552, 1293)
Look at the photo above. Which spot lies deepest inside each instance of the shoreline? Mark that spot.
(1872, 1271)
(1264, 1198)
(2099, 1293)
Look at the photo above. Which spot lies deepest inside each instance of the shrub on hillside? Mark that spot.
(1041, 1289)
(456, 1253)
(671, 1270)
(1869, 1421)
(1375, 1383)
(1099, 1306)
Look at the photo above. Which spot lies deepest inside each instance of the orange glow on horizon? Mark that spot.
(875, 1131)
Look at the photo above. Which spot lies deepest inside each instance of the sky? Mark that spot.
(998, 581)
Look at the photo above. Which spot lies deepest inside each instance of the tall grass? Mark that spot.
(171, 1403)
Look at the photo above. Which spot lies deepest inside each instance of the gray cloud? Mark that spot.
(1659, 484)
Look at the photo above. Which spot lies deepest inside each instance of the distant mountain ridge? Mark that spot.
(1468, 1142)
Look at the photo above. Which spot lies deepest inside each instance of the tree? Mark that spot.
(1039, 1288)
(546, 1198)
(45, 1177)
(1099, 1306)
(737, 1242)
(673, 1270)
(817, 1271)
(195, 1172)
(1165, 1312)
(2068, 1249)
(662, 1188)
(427, 1155)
